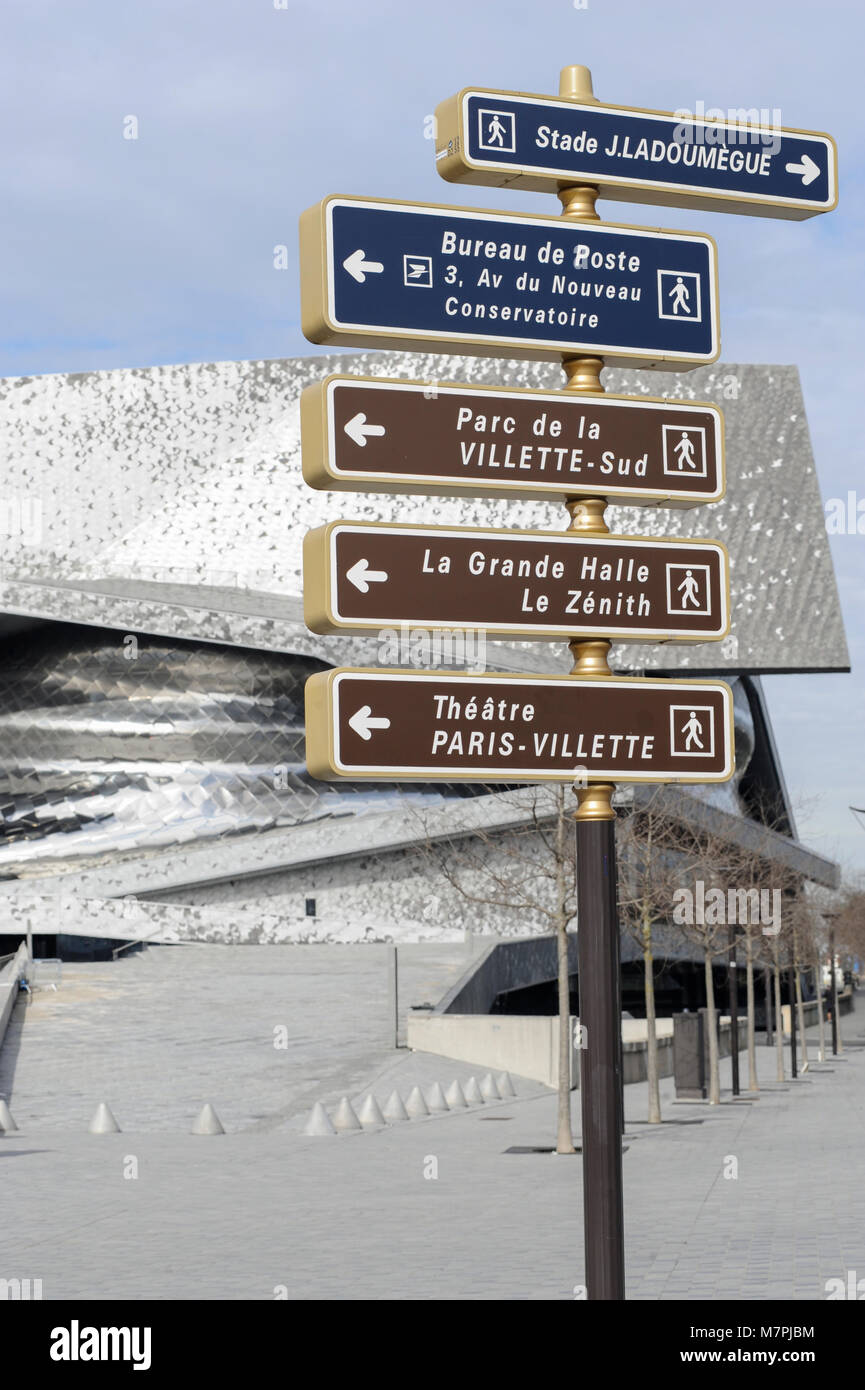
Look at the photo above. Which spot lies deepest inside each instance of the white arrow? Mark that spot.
(359, 268)
(362, 722)
(808, 169)
(361, 576)
(358, 430)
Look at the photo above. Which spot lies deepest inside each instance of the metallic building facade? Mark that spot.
(114, 745)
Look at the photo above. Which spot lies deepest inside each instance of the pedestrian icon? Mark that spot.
(693, 728)
(679, 295)
(496, 131)
(685, 451)
(692, 731)
(688, 590)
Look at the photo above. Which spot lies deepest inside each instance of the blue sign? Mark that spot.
(488, 284)
(636, 156)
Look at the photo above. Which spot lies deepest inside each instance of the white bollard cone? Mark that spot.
(454, 1097)
(473, 1092)
(7, 1124)
(345, 1120)
(505, 1085)
(207, 1122)
(489, 1089)
(436, 1101)
(394, 1111)
(416, 1106)
(370, 1115)
(103, 1121)
(319, 1121)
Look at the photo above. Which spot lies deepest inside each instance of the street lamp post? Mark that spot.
(733, 990)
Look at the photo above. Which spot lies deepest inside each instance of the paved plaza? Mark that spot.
(430, 1209)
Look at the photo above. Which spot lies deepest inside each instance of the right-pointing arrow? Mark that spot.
(358, 267)
(363, 723)
(358, 430)
(808, 169)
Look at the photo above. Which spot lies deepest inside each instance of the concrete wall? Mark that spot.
(845, 1006)
(526, 1046)
(635, 1059)
(10, 974)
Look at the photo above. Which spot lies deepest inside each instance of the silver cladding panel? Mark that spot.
(170, 500)
(111, 749)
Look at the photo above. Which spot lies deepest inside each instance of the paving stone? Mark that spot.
(351, 1217)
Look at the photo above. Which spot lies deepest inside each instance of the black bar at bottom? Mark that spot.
(601, 1059)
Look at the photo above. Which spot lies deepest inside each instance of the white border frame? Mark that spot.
(553, 398)
(540, 630)
(497, 774)
(575, 346)
(702, 753)
(766, 200)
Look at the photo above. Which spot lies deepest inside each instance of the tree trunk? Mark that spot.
(714, 1070)
(651, 1031)
(818, 985)
(753, 1083)
(767, 993)
(564, 1137)
(779, 1026)
(800, 1014)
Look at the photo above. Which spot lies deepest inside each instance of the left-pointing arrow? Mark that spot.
(363, 722)
(358, 267)
(358, 430)
(361, 576)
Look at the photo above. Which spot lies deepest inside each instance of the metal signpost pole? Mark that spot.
(767, 988)
(445, 279)
(597, 915)
(792, 993)
(733, 983)
(836, 1031)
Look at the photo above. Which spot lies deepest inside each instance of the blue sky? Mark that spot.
(119, 252)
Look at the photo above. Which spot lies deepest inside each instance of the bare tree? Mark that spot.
(529, 870)
(850, 922)
(716, 862)
(777, 956)
(802, 929)
(651, 867)
(750, 1009)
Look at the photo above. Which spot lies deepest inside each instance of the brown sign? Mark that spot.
(365, 434)
(532, 584)
(421, 726)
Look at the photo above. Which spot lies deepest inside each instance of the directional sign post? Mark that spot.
(450, 279)
(431, 725)
(366, 434)
(360, 577)
(631, 155)
(497, 285)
